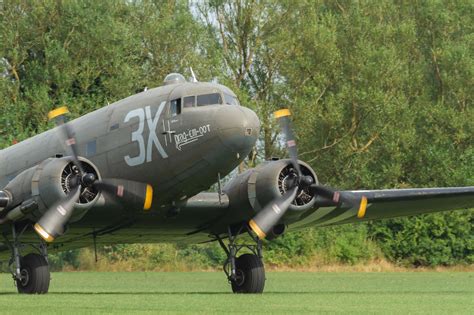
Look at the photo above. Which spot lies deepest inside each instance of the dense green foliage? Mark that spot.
(209, 293)
(381, 93)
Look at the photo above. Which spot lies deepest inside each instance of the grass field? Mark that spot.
(208, 293)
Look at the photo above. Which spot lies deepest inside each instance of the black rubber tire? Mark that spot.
(36, 269)
(251, 274)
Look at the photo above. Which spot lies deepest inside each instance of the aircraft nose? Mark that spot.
(238, 128)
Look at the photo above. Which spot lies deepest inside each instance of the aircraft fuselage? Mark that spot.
(179, 149)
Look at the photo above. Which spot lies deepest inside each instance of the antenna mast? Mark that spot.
(193, 75)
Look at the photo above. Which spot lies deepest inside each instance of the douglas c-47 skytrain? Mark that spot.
(136, 172)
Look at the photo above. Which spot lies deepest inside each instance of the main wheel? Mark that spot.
(250, 274)
(35, 277)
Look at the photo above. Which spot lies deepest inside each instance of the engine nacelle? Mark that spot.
(49, 182)
(252, 190)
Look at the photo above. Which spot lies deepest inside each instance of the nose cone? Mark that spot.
(238, 128)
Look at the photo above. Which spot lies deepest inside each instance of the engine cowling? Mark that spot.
(49, 182)
(252, 190)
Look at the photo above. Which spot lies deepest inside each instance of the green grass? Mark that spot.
(208, 292)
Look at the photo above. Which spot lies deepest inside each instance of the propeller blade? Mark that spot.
(68, 141)
(263, 222)
(283, 116)
(342, 198)
(51, 224)
(326, 192)
(132, 193)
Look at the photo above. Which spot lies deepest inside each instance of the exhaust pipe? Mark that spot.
(276, 231)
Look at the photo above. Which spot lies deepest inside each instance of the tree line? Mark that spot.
(381, 94)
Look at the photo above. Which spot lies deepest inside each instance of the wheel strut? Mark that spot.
(31, 272)
(16, 255)
(246, 273)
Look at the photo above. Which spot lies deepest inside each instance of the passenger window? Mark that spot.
(189, 101)
(175, 107)
(231, 100)
(209, 99)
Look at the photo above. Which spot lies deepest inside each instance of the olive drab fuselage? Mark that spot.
(143, 138)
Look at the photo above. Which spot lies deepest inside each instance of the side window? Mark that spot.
(175, 107)
(209, 99)
(189, 101)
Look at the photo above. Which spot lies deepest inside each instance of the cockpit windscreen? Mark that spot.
(209, 99)
(231, 100)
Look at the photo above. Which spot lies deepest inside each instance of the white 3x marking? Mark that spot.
(145, 153)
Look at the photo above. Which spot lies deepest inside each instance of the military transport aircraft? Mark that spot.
(135, 172)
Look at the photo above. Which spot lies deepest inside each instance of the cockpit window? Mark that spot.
(175, 107)
(209, 99)
(189, 101)
(231, 100)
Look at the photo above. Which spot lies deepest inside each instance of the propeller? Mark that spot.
(269, 216)
(66, 135)
(130, 193)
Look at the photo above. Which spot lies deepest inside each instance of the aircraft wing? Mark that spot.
(388, 203)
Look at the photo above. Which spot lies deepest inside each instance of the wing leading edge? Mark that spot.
(390, 203)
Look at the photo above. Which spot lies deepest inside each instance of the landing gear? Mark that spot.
(34, 275)
(250, 274)
(31, 272)
(245, 273)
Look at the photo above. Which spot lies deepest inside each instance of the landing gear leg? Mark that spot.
(31, 272)
(245, 273)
